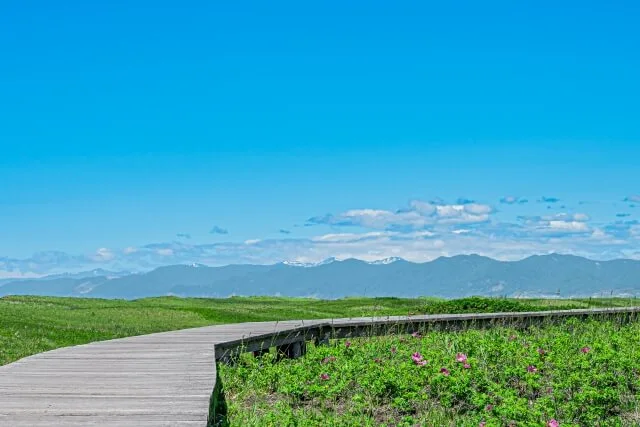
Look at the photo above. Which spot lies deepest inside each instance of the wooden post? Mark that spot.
(324, 340)
(293, 350)
(260, 353)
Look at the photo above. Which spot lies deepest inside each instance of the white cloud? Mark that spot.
(556, 225)
(419, 215)
(423, 208)
(511, 200)
(581, 217)
(461, 231)
(477, 209)
(349, 237)
(567, 217)
(570, 226)
(421, 232)
(103, 254)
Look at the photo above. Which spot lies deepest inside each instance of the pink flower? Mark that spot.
(482, 424)
(489, 407)
(418, 360)
(461, 357)
(444, 371)
(394, 350)
(532, 368)
(324, 377)
(416, 334)
(541, 352)
(347, 344)
(585, 350)
(553, 423)
(467, 366)
(328, 359)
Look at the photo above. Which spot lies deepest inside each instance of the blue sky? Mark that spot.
(138, 135)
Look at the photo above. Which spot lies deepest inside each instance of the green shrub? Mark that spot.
(580, 373)
(485, 305)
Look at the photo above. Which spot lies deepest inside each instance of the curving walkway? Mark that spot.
(167, 379)
(163, 379)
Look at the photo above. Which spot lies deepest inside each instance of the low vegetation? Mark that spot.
(492, 305)
(30, 325)
(571, 374)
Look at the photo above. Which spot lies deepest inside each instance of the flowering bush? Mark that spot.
(579, 373)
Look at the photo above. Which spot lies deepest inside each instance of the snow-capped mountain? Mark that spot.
(309, 264)
(457, 276)
(197, 265)
(389, 260)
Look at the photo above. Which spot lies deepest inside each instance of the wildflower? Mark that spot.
(532, 368)
(461, 357)
(416, 335)
(347, 344)
(324, 377)
(394, 350)
(553, 423)
(467, 366)
(377, 360)
(488, 408)
(512, 338)
(541, 352)
(585, 350)
(444, 371)
(328, 359)
(482, 424)
(418, 360)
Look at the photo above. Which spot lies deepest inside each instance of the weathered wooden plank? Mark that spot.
(372, 326)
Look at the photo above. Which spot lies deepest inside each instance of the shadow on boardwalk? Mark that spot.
(218, 405)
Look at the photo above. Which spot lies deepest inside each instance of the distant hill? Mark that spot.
(458, 276)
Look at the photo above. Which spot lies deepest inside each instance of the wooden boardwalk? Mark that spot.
(163, 379)
(167, 379)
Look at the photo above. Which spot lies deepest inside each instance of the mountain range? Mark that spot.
(457, 276)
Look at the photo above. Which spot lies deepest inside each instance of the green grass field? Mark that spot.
(30, 325)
